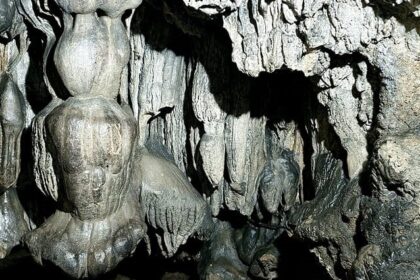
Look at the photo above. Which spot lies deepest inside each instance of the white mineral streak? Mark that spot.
(213, 7)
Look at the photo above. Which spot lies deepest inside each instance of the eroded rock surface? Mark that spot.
(251, 126)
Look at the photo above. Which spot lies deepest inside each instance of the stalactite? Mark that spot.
(252, 139)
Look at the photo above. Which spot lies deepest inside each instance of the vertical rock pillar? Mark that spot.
(83, 147)
(12, 117)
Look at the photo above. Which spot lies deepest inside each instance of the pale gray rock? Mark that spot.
(14, 222)
(244, 138)
(171, 204)
(102, 43)
(207, 110)
(12, 119)
(158, 82)
(111, 7)
(337, 97)
(284, 123)
(90, 179)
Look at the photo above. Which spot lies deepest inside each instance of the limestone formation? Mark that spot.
(13, 219)
(83, 148)
(173, 208)
(224, 139)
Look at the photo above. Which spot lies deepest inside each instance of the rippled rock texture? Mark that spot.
(214, 139)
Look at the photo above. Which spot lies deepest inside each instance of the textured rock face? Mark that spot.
(7, 12)
(12, 122)
(83, 150)
(102, 43)
(391, 217)
(173, 208)
(252, 139)
(13, 219)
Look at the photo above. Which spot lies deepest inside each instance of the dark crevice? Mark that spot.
(297, 262)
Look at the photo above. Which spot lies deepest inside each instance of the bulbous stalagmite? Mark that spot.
(83, 148)
(89, 144)
(284, 133)
(102, 44)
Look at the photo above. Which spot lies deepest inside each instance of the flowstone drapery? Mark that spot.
(242, 139)
(84, 150)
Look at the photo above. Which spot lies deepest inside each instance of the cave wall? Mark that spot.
(286, 134)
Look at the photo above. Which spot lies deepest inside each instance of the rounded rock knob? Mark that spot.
(91, 55)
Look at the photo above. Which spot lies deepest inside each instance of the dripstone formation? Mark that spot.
(83, 148)
(215, 139)
(13, 220)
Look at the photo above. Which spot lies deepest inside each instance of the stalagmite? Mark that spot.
(250, 139)
(84, 146)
